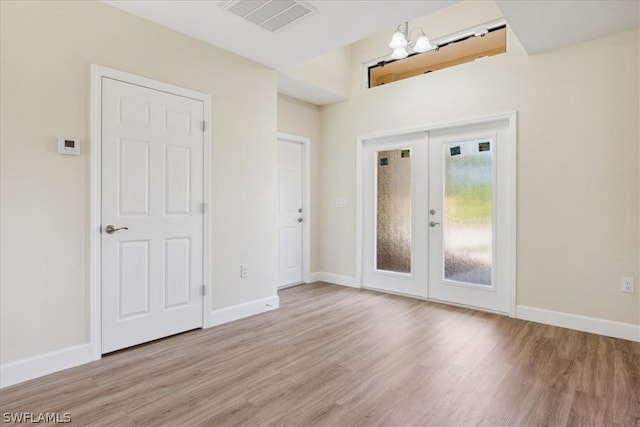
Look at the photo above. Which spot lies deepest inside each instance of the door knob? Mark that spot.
(433, 223)
(111, 229)
(300, 220)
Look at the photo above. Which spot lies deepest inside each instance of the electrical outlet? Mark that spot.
(627, 285)
(244, 271)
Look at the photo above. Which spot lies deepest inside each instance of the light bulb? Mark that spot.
(399, 53)
(398, 40)
(422, 44)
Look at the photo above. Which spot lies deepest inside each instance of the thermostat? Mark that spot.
(69, 146)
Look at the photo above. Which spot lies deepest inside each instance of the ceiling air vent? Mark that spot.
(272, 15)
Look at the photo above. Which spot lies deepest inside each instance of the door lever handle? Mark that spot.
(433, 223)
(111, 229)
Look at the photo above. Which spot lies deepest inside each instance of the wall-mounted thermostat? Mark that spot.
(68, 146)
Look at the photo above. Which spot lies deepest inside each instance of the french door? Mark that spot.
(436, 215)
(469, 224)
(395, 200)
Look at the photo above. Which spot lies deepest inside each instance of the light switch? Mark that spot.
(68, 146)
(341, 202)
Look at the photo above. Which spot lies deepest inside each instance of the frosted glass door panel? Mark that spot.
(395, 205)
(468, 212)
(393, 221)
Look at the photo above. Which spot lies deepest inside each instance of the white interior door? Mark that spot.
(290, 212)
(152, 195)
(395, 206)
(468, 222)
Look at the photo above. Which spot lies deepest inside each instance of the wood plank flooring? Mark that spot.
(334, 356)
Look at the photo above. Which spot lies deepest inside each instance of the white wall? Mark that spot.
(300, 118)
(578, 160)
(47, 49)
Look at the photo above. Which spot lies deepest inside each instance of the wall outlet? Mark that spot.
(627, 285)
(244, 271)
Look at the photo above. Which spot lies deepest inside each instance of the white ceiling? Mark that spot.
(546, 25)
(336, 24)
(540, 25)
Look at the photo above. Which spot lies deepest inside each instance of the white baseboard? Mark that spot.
(44, 364)
(336, 279)
(625, 331)
(292, 285)
(240, 311)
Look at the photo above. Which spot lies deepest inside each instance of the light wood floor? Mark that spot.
(336, 356)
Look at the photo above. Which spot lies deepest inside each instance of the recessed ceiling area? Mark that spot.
(546, 25)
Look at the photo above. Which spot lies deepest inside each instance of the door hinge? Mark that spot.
(204, 126)
(204, 290)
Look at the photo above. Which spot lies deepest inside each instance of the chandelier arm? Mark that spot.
(408, 37)
(404, 29)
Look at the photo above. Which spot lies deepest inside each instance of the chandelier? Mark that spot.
(400, 42)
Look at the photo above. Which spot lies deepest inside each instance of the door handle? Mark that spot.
(111, 229)
(433, 223)
(300, 220)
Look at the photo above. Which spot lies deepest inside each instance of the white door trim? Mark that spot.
(95, 172)
(511, 117)
(306, 200)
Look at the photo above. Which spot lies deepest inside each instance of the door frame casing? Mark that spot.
(306, 201)
(511, 155)
(98, 72)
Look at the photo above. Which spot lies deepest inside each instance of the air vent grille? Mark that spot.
(272, 15)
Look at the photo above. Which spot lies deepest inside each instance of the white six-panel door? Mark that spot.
(290, 214)
(152, 195)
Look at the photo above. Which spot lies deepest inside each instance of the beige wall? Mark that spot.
(578, 150)
(47, 49)
(300, 118)
(330, 71)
